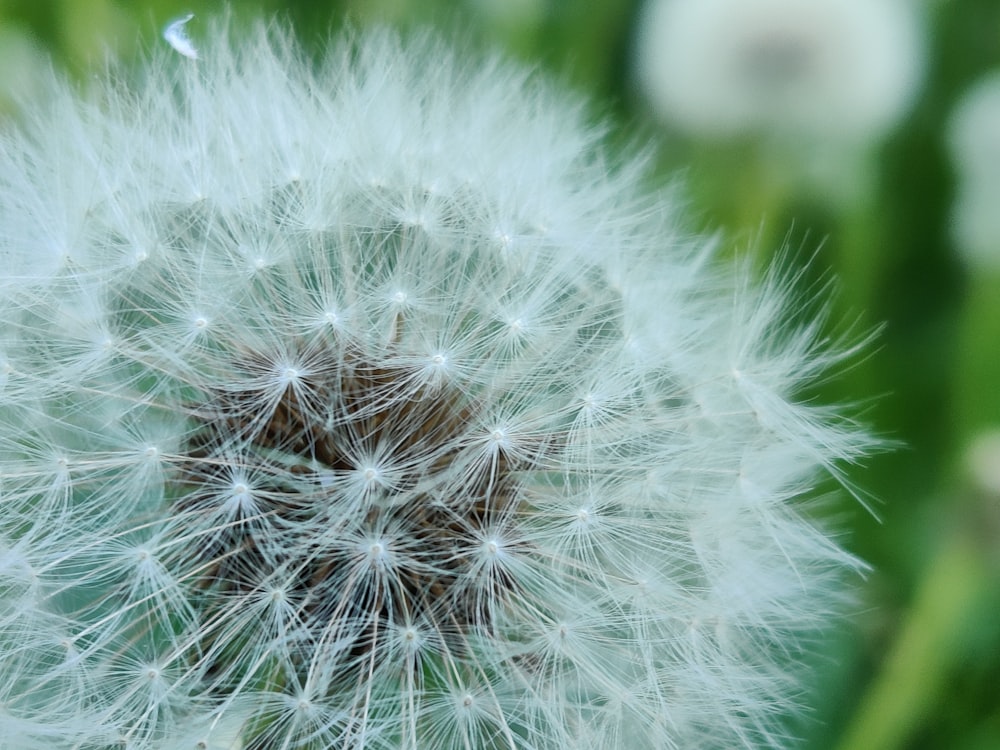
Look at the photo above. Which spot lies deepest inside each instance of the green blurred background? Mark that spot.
(918, 665)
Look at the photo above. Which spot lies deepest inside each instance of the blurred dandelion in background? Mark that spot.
(816, 85)
(974, 140)
(983, 462)
(375, 404)
(842, 70)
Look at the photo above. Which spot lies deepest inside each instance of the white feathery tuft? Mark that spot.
(360, 405)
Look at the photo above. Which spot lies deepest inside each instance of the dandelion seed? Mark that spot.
(176, 36)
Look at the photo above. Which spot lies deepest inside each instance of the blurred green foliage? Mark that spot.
(920, 665)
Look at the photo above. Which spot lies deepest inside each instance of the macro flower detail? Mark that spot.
(372, 403)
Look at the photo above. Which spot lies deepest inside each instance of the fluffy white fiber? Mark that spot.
(363, 405)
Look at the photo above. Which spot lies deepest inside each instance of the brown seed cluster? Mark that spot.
(443, 499)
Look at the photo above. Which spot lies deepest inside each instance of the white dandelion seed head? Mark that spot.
(974, 130)
(410, 480)
(834, 70)
(974, 142)
(982, 460)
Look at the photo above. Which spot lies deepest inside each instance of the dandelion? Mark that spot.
(361, 404)
(834, 70)
(975, 151)
(981, 462)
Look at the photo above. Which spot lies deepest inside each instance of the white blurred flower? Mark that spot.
(832, 70)
(361, 406)
(974, 141)
(983, 462)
